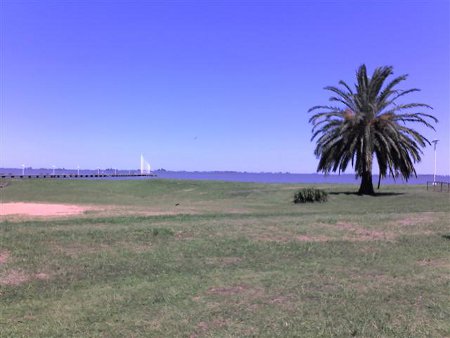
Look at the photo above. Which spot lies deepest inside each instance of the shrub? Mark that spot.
(310, 195)
(4, 183)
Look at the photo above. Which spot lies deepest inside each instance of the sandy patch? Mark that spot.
(41, 209)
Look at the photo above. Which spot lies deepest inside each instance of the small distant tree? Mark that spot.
(368, 122)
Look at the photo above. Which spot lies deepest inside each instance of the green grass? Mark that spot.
(232, 259)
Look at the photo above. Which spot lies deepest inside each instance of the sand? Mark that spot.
(41, 209)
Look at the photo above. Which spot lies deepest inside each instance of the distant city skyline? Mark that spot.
(204, 85)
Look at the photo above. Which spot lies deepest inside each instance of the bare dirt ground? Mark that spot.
(17, 211)
(41, 209)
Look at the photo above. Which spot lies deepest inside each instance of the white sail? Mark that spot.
(145, 166)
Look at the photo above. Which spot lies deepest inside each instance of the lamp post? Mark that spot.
(435, 160)
(78, 170)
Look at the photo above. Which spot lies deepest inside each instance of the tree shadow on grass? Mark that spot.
(377, 194)
(447, 237)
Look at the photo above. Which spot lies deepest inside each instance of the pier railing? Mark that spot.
(438, 186)
(74, 176)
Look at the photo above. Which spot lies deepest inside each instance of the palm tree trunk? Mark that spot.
(366, 187)
(379, 181)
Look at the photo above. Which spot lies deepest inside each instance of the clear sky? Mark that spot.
(203, 85)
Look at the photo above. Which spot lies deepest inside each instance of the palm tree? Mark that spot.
(370, 121)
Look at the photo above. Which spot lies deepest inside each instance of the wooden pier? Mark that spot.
(37, 176)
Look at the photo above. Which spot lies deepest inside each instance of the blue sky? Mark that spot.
(203, 85)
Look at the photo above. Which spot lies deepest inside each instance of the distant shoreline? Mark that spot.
(228, 176)
(30, 170)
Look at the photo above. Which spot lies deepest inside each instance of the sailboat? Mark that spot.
(145, 166)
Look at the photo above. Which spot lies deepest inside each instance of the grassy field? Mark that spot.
(162, 258)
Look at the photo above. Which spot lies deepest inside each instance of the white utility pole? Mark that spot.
(435, 160)
(23, 169)
(78, 170)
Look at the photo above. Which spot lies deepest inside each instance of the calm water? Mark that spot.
(230, 176)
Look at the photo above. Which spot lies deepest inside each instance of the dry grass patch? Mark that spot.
(120, 210)
(281, 300)
(76, 250)
(370, 235)
(416, 219)
(223, 261)
(334, 232)
(135, 247)
(442, 263)
(239, 295)
(228, 291)
(4, 256)
(319, 238)
(184, 235)
(13, 277)
(203, 327)
(301, 238)
(17, 277)
(354, 232)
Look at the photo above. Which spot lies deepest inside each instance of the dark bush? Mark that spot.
(4, 183)
(310, 195)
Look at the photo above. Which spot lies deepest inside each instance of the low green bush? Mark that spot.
(310, 195)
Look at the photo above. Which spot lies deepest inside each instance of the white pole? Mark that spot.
(78, 170)
(435, 161)
(23, 169)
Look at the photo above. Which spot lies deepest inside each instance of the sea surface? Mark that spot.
(230, 176)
